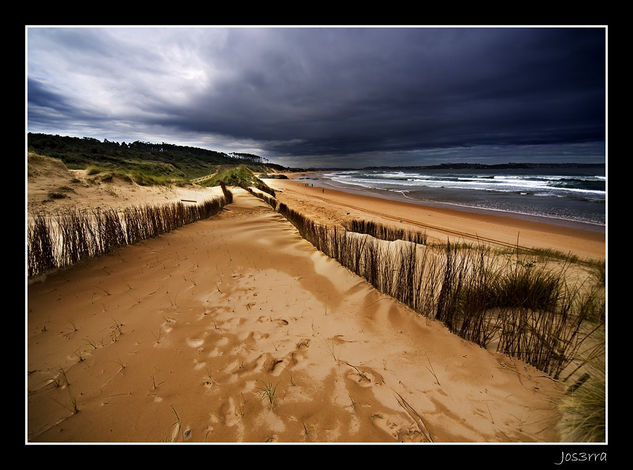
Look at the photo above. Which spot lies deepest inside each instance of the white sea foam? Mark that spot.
(554, 185)
(529, 192)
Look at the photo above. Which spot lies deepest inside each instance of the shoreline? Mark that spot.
(333, 205)
(401, 196)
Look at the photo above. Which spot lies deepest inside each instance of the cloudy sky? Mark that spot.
(328, 96)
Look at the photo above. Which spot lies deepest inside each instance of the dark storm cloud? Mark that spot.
(46, 106)
(42, 98)
(328, 91)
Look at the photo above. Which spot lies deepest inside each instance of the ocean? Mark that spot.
(567, 196)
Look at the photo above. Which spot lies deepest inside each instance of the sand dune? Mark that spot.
(234, 328)
(52, 187)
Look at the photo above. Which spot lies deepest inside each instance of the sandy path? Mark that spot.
(175, 338)
(333, 206)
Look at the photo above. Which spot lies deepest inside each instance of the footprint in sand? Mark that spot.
(228, 413)
(240, 368)
(299, 354)
(197, 365)
(363, 376)
(251, 337)
(232, 367)
(398, 428)
(194, 343)
(233, 323)
(339, 339)
(216, 352)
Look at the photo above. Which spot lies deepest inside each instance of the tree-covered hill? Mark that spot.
(147, 163)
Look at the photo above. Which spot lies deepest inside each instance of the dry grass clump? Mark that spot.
(71, 235)
(583, 407)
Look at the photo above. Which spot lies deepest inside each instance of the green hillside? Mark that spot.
(144, 162)
(237, 176)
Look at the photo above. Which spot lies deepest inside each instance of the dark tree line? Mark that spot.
(65, 145)
(78, 152)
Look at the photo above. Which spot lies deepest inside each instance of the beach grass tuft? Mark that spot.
(583, 407)
(269, 392)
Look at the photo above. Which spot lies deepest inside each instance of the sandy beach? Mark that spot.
(236, 329)
(334, 206)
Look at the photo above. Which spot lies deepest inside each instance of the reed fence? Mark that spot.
(63, 239)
